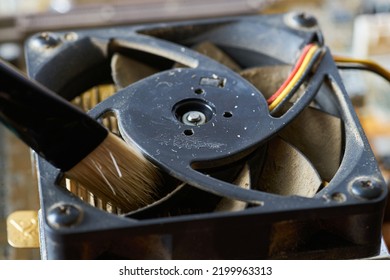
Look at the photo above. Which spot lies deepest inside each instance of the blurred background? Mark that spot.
(358, 28)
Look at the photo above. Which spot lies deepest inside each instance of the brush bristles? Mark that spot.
(118, 173)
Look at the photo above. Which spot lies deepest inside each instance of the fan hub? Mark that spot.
(171, 121)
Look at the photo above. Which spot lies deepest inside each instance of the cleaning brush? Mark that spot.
(75, 143)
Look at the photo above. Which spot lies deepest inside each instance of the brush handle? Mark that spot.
(49, 124)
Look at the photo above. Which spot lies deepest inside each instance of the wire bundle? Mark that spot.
(348, 63)
(302, 68)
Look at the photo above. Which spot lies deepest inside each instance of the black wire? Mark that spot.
(357, 66)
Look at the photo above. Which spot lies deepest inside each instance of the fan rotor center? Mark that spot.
(194, 118)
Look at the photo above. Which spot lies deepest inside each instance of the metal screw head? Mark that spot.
(194, 118)
(64, 215)
(305, 20)
(71, 36)
(366, 188)
(45, 40)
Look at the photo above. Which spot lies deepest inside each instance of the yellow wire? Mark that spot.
(366, 62)
(295, 79)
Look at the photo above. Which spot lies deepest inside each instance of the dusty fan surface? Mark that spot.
(299, 160)
(249, 124)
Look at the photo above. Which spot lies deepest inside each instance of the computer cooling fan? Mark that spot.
(248, 120)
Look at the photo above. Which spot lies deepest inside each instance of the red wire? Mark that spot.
(292, 74)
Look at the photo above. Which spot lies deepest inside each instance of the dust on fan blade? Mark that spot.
(126, 70)
(299, 162)
(129, 63)
(318, 136)
(212, 51)
(287, 171)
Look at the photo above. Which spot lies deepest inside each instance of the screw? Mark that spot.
(366, 188)
(338, 197)
(305, 20)
(45, 40)
(194, 118)
(71, 36)
(64, 215)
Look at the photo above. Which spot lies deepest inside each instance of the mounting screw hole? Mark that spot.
(199, 91)
(188, 132)
(228, 114)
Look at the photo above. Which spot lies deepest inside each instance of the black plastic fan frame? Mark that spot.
(341, 221)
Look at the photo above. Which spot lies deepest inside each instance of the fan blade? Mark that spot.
(318, 136)
(287, 171)
(266, 79)
(126, 71)
(211, 50)
(243, 181)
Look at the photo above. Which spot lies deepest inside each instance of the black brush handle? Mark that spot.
(53, 127)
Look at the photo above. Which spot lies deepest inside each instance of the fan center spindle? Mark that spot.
(194, 118)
